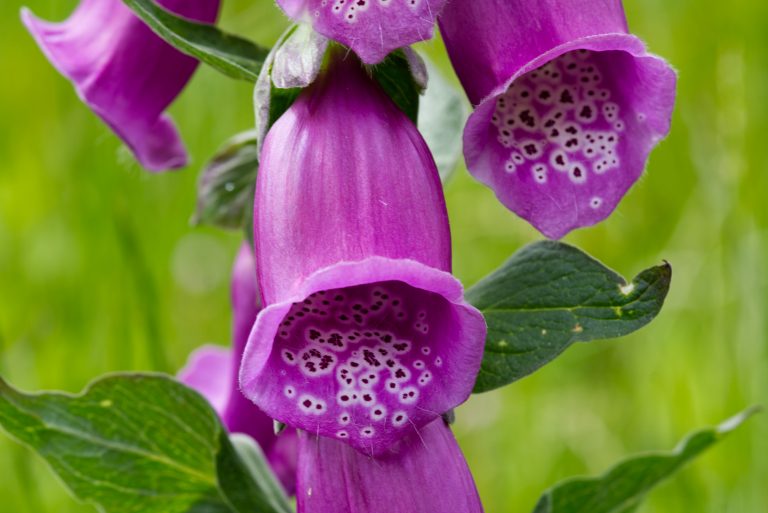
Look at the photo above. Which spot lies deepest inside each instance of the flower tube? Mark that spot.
(569, 104)
(424, 472)
(371, 28)
(365, 335)
(211, 370)
(124, 72)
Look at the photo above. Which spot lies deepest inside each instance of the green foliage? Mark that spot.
(394, 75)
(229, 54)
(442, 114)
(136, 442)
(622, 488)
(548, 296)
(226, 187)
(258, 466)
(74, 303)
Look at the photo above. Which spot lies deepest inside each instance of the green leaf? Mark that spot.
(258, 467)
(443, 111)
(232, 55)
(622, 488)
(226, 186)
(395, 76)
(136, 442)
(271, 102)
(298, 58)
(548, 296)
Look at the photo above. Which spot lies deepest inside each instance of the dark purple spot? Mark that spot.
(586, 112)
(527, 118)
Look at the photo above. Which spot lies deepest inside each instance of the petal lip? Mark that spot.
(114, 77)
(208, 371)
(260, 387)
(477, 157)
(383, 25)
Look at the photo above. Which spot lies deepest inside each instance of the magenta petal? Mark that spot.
(210, 372)
(124, 72)
(345, 175)
(365, 335)
(366, 352)
(372, 28)
(569, 105)
(425, 472)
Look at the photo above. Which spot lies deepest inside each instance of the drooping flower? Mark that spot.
(365, 334)
(124, 72)
(424, 472)
(371, 28)
(212, 371)
(569, 104)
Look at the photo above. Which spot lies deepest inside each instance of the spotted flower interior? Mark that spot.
(564, 143)
(561, 118)
(351, 10)
(365, 363)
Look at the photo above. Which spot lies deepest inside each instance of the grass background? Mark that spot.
(101, 271)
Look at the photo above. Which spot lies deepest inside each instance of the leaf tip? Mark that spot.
(737, 420)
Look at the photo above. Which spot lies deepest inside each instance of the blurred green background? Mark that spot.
(101, 271)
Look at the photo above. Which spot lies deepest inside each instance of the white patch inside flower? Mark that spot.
(378, 412)
(545, 115)
(312, 405)
(346, 398)
(408, 395)
(356, 344)
(399, 418)
(392, 386)
(577, 173)
(289, 357)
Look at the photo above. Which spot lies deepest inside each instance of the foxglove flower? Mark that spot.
(371, 28)
(212, 371)
(365, 334)
(424, 472)
(124, 72)
(569, 104)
